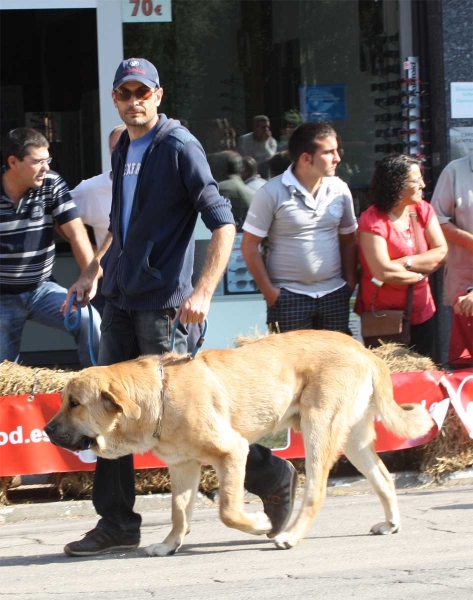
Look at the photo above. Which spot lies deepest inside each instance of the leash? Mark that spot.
(72, 325)
(199, 343)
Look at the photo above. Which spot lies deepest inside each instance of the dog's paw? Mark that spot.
(261, 524)
(161, 549)
(385, 528)
(283, 541)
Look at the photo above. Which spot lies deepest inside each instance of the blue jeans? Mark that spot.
(126, 335)
(42, 305)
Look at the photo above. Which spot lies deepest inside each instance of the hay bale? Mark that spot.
(5, 484)
(73, 485)
(401, 359)
(451, 450)
(16, 379)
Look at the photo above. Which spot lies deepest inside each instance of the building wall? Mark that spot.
(457, 35)
(449, 26)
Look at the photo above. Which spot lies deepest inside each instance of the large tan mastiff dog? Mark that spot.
(209, 409)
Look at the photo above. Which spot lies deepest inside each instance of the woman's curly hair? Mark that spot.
(389, 179)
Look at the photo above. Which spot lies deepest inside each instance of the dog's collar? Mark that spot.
(159, 423)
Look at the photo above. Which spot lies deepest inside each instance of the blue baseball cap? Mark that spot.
(136, 69)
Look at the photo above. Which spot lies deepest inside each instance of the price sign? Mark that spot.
(146, 11)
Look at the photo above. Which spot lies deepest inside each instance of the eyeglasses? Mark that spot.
(143, 93)
(41, 161)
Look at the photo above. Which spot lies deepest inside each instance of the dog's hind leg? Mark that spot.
(360, 452)
(230, 468)
(322, 437)
(185, 478)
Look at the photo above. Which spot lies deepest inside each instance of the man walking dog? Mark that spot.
(161, 182)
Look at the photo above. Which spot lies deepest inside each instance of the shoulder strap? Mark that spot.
(413, 216)
(410, 291)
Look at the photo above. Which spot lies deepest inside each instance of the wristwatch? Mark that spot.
(408, 263)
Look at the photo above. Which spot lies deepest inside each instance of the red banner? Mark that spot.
(25, 449)
(459, 387)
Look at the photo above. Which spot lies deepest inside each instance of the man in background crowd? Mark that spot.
(93, 198)
(259, 143)
(453, 203)
(35, 201)
(308, 215)
(250, 175)
(226, 167)
(291, 119)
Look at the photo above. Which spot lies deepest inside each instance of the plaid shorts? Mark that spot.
(298, 311)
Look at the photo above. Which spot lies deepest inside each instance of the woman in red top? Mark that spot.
(388, 247)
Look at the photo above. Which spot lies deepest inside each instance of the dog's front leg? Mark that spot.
(185, 478)
(231, 475)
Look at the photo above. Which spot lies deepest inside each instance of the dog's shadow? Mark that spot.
(185, 551)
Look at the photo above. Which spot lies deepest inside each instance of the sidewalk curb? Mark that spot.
(74, 509)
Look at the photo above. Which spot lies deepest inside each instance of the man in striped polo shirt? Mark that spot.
(34, 201)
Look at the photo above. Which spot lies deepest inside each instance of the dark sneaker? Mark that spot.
(278, 506)
(99, 541)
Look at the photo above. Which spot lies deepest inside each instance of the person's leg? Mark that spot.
(113, 495)
(290, 312)
(13, 316)
(114, 481)
(44, 306)
(274, 480)
(264, 470)
(333, 311)
(271, 478)
(422, 338)
(127, 335)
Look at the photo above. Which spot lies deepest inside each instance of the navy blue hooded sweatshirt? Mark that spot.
(152, 270)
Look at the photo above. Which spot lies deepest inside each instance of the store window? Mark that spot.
(49, 81)
(223, 63)
(55, 91)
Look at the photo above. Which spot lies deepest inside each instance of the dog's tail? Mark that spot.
(408, 421)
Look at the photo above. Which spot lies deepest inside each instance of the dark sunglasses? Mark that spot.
(144, 93)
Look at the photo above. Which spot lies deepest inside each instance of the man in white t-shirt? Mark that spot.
(93, 197)
(308, 216)
(453, 203)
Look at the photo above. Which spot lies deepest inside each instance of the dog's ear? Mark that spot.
(123, 404)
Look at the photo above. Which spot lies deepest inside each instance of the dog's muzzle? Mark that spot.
(64, 440)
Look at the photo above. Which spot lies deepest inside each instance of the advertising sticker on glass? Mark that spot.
(323, 102)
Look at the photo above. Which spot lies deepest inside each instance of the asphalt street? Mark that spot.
(431, 558)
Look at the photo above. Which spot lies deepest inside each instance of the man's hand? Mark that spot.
(464, 305)
(271, 296)
(195, 309)
(84, 288)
